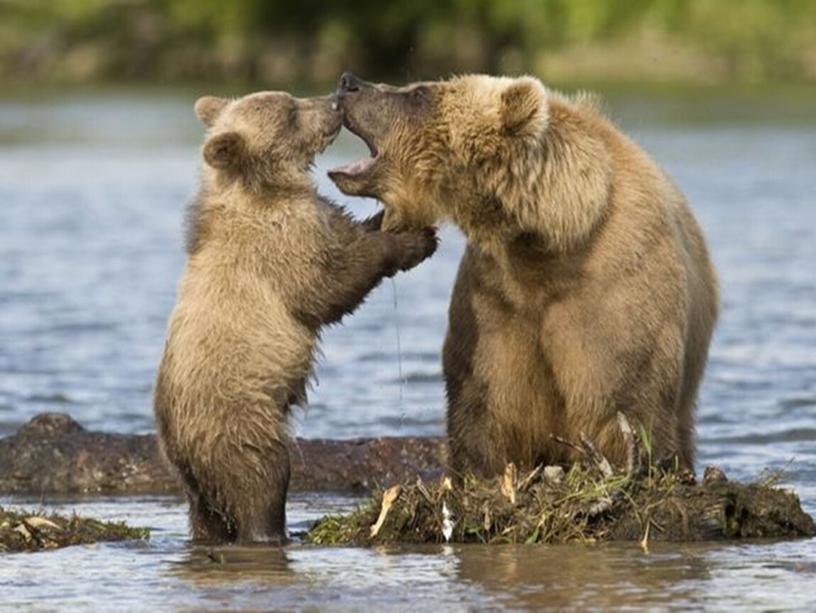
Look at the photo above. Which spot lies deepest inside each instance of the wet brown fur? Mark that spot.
(586, 287)
(269, 263)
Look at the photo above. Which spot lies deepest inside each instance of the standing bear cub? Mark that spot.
(586, 288)
(269, 263)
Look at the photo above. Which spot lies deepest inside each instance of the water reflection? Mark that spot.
(212, 566)
(320, 576)
(592, 576)
(514, 576)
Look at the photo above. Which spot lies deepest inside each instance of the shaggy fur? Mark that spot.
(586, 287)
(269, 263)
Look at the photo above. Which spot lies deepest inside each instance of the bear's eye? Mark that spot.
(420, 96)
(292, 116)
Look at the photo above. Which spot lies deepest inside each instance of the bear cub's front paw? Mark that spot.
(414, 246)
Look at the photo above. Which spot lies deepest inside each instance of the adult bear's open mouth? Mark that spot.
(366, 115)
(357, 167)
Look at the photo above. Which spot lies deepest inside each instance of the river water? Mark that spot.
(93, 186)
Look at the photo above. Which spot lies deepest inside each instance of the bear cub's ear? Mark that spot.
(224, 151)
(524, 110)
(208, 109)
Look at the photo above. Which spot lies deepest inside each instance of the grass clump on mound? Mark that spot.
(23, 531)
(590, 501)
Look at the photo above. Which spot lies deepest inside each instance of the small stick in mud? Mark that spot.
(388, 499)
(632, 455)
(592, 452)
(508, 483)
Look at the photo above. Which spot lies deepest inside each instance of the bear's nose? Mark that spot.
(349, 83)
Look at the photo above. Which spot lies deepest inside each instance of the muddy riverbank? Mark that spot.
(54, 454)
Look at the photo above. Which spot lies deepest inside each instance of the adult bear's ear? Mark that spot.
(524, 108)
(225, 150)
(209, 108)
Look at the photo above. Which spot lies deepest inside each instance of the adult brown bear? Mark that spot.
(586, 287)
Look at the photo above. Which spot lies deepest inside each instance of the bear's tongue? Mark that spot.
(355, 168)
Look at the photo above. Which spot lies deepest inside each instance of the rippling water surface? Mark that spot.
(92, 189)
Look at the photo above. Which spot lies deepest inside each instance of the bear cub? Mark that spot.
(269, 263)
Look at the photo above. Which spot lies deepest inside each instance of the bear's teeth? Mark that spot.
(355, 168)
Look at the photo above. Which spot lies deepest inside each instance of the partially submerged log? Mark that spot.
(25, 531)
(53, 454)
(590, 502)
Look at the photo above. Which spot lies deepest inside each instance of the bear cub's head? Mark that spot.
(266, 139)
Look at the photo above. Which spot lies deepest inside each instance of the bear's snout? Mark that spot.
(348, 83)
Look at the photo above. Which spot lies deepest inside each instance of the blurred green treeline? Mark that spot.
(308, 43)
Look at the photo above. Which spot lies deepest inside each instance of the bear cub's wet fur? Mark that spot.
(269, 263)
